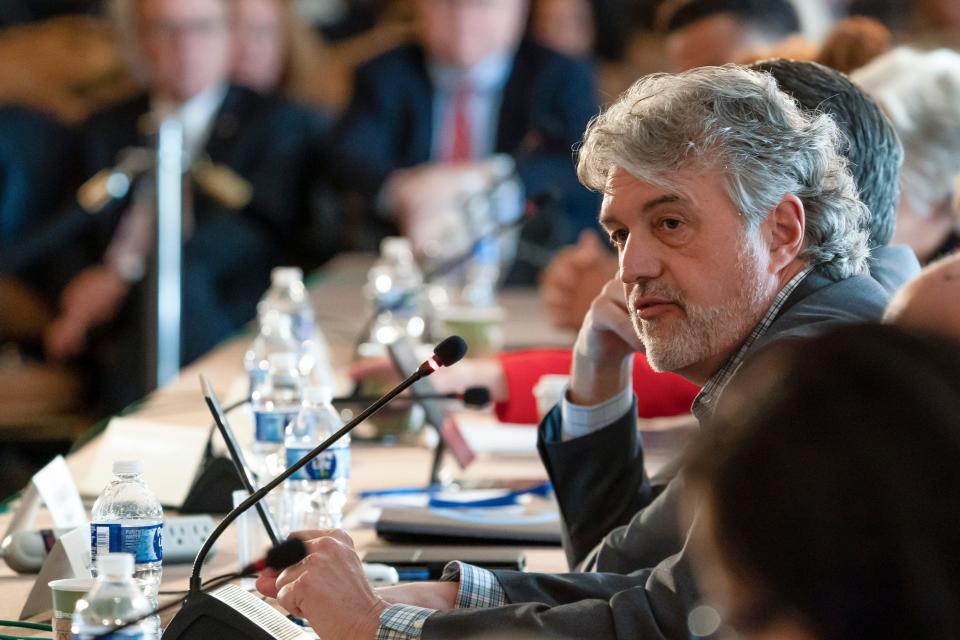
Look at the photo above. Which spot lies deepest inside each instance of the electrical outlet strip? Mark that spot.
(183, 536)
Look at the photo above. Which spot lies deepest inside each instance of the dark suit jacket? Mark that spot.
(616, 523)
(547, 102)
(272, 144)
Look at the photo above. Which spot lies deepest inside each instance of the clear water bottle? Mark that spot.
(482, 275)
(114, 599)
(275, 337)
(394, 284)
(288, 296)
(127, 518)
(316, 494)
(276, 401)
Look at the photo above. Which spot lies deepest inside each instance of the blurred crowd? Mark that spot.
(318, 127)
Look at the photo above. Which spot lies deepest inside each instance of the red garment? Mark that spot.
(658, 394)
(459, 136)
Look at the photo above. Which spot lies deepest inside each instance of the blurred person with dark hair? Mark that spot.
(713, 32)
(566, 26)
(470, 97)
(826, 489)
(274, 52)
(854, 42)
(930, 302)
(252, 161)
(920, 92)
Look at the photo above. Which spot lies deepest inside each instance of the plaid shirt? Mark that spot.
(478, 589)
(706, 400)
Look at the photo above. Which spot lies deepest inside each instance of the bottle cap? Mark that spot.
(115, 565)
(284, 276)
(127, 467)
(282, 360)
(318, 394)
(394, 246)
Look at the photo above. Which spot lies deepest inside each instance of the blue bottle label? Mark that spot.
(303, 326)
(123, 634)
(332, 464)
(270, 425)
(144, 543)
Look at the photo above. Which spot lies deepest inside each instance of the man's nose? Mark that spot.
(640, 260)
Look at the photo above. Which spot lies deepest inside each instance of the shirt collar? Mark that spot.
(488, 75)
(196, 115)
(706, 400)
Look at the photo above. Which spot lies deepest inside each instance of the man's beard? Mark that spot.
(702, 332)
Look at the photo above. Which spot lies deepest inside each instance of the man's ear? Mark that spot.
(783, 232)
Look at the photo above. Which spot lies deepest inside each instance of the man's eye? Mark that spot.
(671, 224)
(618, 237)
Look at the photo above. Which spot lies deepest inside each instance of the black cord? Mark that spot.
(224, 576)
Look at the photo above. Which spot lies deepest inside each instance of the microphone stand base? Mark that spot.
(230, 612)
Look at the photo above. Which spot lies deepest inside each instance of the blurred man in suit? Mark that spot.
(427, 118)
(251, 162)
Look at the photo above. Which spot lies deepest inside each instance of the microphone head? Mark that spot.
(476, 396)
(450, 351)
(287, 553)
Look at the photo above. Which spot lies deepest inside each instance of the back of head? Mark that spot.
(737, 120)
(831, 474)
(920, 92)
(873, 151)
(774, 19)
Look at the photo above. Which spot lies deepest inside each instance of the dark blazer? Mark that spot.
(616, 523)
(547, 102)
(272, 144)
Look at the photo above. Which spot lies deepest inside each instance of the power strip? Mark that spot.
(183, 536)
(25, 551)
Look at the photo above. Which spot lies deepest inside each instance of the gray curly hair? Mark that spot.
(737, 120)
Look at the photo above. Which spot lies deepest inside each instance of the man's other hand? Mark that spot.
(574, 277)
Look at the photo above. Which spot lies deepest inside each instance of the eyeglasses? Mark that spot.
(169, 29)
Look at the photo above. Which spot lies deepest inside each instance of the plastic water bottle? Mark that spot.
(114, 599)
(276, 401)
(288, 296)
(394, 285)
(127, 518)
(274, 337)
(482, 275)
(316, 494)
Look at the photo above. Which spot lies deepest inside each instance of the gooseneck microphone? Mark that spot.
(448, 352)
(222, 610)
(471, 396)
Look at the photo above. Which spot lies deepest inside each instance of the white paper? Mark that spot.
(487, 436)
(59, 492)
(69, 558)
(171, 455)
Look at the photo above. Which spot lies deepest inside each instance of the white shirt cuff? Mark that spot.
(581, 420)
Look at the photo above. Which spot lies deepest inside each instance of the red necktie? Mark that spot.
(458, 147)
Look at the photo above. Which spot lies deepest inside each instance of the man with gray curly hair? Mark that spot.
(736, 224)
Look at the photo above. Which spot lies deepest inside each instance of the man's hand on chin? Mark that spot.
(603, 353)
(328, 588)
